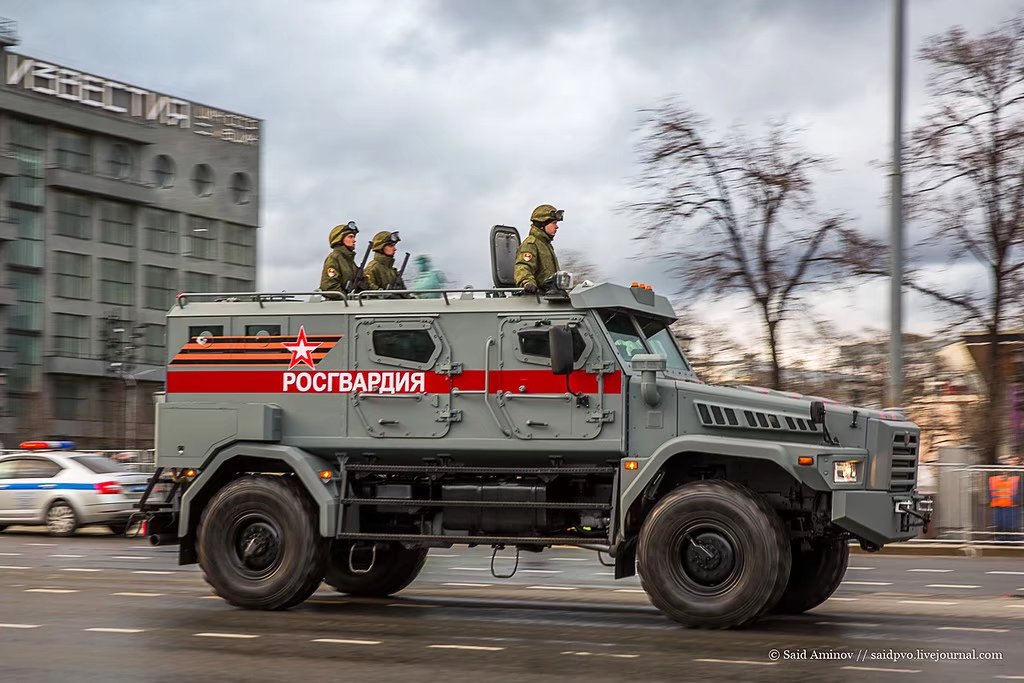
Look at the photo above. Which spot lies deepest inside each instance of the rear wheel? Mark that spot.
(816, 574)
(61, 519)
(394, 568)
(258, 544)
(713, 554)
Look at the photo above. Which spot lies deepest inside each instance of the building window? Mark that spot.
(120, 162)
(160, 287)
(201, 239)
(241, 188)
(28, 249)
(163, 171)
(202, 180)
(71, 335)
(161, 230)
(116, 226)
(239, 245)
(27, 313)
(73, 212)
(200, 282)
(73, 151)
(69, 403)
(155, 351)
(28, 145)
(234, 284)
(116, 282)
(28, 362)
(73, 276)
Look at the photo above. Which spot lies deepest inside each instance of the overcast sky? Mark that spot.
(442, 118)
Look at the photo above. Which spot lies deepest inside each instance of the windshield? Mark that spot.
(633, 335)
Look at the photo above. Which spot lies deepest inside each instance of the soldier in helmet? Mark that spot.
(536, 261)
(381, 272)
(340, 265)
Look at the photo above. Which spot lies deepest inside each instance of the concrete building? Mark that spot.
(115, 197)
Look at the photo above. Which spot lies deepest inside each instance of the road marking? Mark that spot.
(863, 569)
(950, 585)
(604, 573)
(75, 556)
(114, 630)
(50, 590)
(43, 545)
(224, 635)
(139, 595)
(480, 648)
(443, 555)
(468, 585)
(130, 557)
(973, 630)
(875, 668)
(211, 597)
(630, 590)
(10, 554)
(12, 566)
(867, 583)
(843, 599)
(598, 654)
(471, 569)
(80, 569)
(540, 571)
(862, 624)
(931, 571)
(1000, 573)
(927, 602)
(1009, 678)
(150, 571)
(20, 625)
(343, 641)
(551, 588)
(409, 604)
(746, 662)
(569, 559)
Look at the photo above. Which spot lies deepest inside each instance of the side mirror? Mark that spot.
(560, 344)
(649, 365)
(818, 412)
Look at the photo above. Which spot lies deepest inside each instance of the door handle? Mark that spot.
(47, 486)
(536, 423)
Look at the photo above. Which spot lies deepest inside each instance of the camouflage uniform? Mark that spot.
(381, 273)
(536, 261)
(340, 267)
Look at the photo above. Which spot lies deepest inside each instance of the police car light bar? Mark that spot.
(47, 445)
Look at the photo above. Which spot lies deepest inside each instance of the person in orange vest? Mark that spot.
(1004, 499)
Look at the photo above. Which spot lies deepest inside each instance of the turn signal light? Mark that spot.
(631, 465)
(326, 476)
(190, 473)
(805, 460)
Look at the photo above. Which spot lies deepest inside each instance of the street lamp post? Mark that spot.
(895, 393)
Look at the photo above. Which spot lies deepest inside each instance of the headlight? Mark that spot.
(847, 471)
(563, 280)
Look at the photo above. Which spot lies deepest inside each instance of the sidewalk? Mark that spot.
(919, 548)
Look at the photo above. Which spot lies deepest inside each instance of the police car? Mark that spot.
(49, 483)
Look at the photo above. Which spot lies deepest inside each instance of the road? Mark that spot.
(100, 608)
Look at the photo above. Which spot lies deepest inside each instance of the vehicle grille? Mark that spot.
(903, 475)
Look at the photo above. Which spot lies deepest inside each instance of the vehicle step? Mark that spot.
(542, 505)
(476, 540)
(461, 469)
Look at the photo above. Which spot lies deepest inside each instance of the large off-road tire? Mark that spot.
(394, 569)
(258, 543)
(713, 554)
(815, 576)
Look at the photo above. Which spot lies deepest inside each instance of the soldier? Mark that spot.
(381, 272)
(536, 261)
(340, 265)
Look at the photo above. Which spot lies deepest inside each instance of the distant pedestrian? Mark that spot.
(1004, 499)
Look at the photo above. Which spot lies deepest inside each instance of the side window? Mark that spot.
(7, 468)
(198, 332)
(37, 469)
(262, 330)
(534, 342)
(416, 346)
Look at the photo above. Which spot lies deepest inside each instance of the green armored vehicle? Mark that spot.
(324, 438)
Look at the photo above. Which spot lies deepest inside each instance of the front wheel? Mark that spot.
(713, 554)
(258, 544)
(394, 568)
(816, 574)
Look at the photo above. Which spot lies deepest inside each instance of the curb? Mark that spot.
(943, 550)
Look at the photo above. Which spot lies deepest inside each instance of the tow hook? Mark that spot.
(869, 547)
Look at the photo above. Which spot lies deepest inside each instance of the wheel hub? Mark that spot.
(258, 545)
(709, 558)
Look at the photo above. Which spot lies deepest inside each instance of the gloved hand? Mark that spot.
(530, 288)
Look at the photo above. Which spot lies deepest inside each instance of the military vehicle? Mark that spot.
(338, 438)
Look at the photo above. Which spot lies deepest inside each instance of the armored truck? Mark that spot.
(318, 437)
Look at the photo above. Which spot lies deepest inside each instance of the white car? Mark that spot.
(65, 490)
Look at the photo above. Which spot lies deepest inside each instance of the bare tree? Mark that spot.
(966, 166)
(577, 263)
(736, 214)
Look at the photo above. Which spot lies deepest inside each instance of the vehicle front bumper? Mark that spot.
(880, 517)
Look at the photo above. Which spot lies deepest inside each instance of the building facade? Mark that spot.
(115, 198)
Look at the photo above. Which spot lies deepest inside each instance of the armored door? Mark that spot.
(401, 378)
(539, 404)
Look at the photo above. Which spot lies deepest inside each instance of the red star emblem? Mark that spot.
(302, 350)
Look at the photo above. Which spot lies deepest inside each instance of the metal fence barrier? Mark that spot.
(974, 504)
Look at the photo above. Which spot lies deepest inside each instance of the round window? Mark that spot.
(163, 171)
(202, 180)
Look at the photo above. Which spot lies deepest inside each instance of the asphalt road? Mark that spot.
(100, 608)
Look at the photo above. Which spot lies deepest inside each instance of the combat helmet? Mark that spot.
(338, 232)
(383, 239)
(544, 214)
